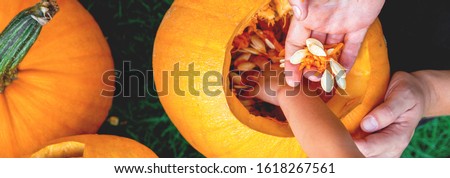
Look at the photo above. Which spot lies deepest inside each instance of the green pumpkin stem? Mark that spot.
(18, 37)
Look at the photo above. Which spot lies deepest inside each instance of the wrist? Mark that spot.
(425, 79)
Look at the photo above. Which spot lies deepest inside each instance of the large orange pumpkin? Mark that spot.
(199, 34)
(94, 146)
(56, 91)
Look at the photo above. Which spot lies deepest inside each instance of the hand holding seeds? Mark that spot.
(330, 22)
(321, 59)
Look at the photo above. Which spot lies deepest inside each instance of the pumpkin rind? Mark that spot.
(58, 88)
(201, 32)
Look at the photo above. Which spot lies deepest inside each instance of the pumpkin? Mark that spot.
(53, 88)
(94, 146)
(197, 37)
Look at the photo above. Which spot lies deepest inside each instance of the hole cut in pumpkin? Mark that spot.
(261, 48)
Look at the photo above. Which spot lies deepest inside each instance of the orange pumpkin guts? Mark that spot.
(198, 38)
(54, 89)
(94, 146)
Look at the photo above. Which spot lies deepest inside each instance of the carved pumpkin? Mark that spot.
(53, 88)
(94, 146)
(199, 34)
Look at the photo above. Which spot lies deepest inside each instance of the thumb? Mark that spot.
(300, 8)
(386, 113)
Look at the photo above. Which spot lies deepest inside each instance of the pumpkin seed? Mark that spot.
(327, 81)
(297, 57)
(244, 56)
(249, 50)
(329, 51)
(269, 44)
(312, 41)
(337, 69)
(341, 82)
(317, 50)
(246, 66)
(258, 44)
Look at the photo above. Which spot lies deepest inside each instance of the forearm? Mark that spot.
(317, 129)
(436, 86)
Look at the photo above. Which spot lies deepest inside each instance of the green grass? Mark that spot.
(130, 27)
(430, 140)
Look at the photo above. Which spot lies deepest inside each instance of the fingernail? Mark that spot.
(370, 124)
(297, 13)
(292, 83)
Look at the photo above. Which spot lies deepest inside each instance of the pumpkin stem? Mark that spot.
(18, 37)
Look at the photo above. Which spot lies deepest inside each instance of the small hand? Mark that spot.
(329, 21)
(394, 121)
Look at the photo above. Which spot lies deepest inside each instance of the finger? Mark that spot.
(383, 115)
(352, 43)
(390, 142)
(322, 37)
(311, 74)
(334, 38)
(300, 8)
(295, 41)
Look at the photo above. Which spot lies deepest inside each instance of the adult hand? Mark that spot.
(395, 120)
(329, 21)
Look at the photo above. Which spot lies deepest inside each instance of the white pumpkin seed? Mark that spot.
(327, 81)
(282, 61)
(297, 57)
(246, 66)
(341, 82)
(329, 51)
(249, 50)
(337, 69)
(282, 65)
(312, 41)
(269, 44)
(244, 56)
(258, 44)
(317, 50)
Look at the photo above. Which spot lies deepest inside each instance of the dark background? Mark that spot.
(417, 34)
(416, 31)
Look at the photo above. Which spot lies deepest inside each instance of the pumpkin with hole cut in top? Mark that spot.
(52, 67)
(198, 38)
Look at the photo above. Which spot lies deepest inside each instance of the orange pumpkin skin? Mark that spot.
(106, 146)
(58, 89)
(201, 32)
